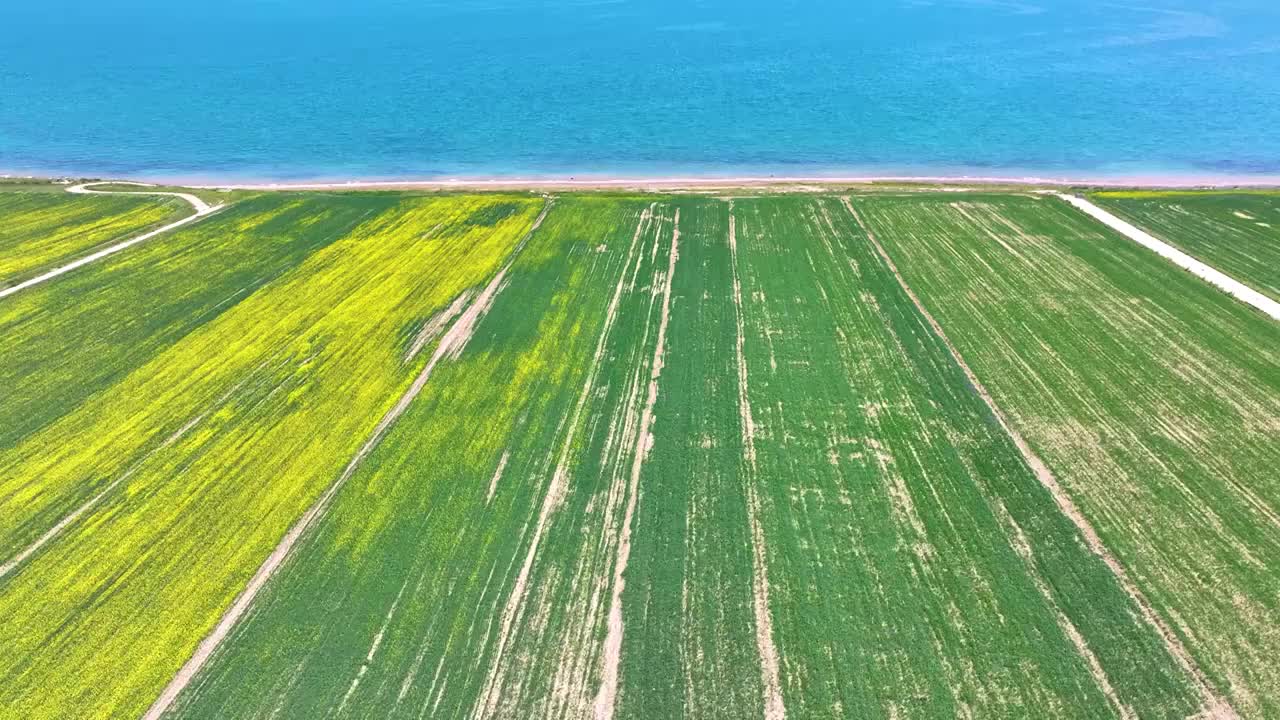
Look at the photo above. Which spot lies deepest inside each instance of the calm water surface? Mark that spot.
(280, 89)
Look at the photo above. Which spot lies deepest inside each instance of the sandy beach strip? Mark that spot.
(693, 181)
(955, 179)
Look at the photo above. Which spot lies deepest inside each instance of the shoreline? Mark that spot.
(1171, 181)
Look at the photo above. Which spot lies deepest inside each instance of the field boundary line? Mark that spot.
(449, 347)
(821, 182)
(770, 679)
(202, 208)
(1215, 705)
(1202, 270)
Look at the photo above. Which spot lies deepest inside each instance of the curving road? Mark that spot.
(201, 208)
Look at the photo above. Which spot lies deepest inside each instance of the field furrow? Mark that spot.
(1153, 398)
(41, 230)
(262, 408)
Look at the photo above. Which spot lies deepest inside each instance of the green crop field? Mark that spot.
(41, 230)
(1238, 234)
(1154, 399)
(396, 455)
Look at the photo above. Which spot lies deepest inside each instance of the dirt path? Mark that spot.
(201, 207)
(1224, 282)
(1215, 705)
(449, 348)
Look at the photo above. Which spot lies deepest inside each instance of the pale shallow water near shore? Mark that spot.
(243, 92)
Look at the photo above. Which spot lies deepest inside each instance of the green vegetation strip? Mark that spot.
(690, 646)
(209, 451)
(40, 230)
(1153, 398)
(1238, 234)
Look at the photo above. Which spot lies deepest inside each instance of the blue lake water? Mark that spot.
(279, 89)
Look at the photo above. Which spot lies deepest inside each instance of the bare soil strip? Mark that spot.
(450, 346)
(1217, 278)
(486, 703)
(611, 656)
(438, 322)
(497, 475)
(202, 209)
(774, 708)
(1214, 702)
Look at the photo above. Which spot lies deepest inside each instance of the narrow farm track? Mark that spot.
(200, 206)
(1213, 276)
(1235, 232)
(202, 209)
(42, 230)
